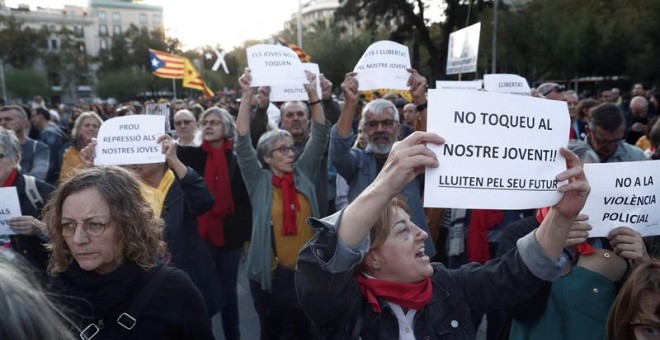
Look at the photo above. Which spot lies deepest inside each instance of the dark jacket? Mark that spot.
(329, 293)
(32, 247)
(238, 226)
(186, 199)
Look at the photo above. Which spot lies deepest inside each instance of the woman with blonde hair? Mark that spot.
(85, 128)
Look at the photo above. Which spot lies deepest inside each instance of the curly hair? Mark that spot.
(75, 132)
(139, 232)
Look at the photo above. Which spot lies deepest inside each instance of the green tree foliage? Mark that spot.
(25, 83)
(20, 46)
(124, 84)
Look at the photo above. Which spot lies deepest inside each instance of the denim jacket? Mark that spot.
(329, 292)
(359, 169)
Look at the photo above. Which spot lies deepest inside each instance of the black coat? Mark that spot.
(238, 226)
(32, 247)
(186, 199)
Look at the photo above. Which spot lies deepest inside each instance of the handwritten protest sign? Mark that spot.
(463, 50)
(383, 65)
(296, 92)
(274, 65)
(501, 151)
(459, 85)
(130, 140)
(506, 83)
(9, 207)
(623, 194)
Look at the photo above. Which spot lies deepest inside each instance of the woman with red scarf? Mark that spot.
(29, 238)
(227, 225)
(365, 274)
(283, 197)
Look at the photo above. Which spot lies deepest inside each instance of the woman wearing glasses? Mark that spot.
(283, 196)
(228, 224)
(104, 238)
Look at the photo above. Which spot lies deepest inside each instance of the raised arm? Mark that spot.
(351, 97)
(243, 119)
(554, 229)
(314, 100)
(407, 159)
(418, 86)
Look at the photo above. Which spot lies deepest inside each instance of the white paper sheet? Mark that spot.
(383, 66)
(501, 151)
(130, 140)
(296, 92)
(506, 83)
(623, 195)
(9, 207)
(274, 65)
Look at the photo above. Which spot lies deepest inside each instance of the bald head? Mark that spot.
(184, 114)
(639, 106)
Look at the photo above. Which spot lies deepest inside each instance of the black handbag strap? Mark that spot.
(127, 320)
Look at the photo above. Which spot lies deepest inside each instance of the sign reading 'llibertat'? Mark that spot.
(9, 207)
(383, 66)
(506, 83)
(274, 65)
(130, 140)
(623, 194)
(500, 151)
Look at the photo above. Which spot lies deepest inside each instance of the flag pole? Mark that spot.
(174, 88)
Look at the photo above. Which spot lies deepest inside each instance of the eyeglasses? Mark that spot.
(285, 149)
(185, 122)
(93, 228)
(558, 88)
(210, 122)
(387, 123)
(646, 331)
(604, 142)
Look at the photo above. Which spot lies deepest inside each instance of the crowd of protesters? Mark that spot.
(325, 209)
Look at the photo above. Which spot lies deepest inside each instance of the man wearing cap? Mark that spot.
(552, 91)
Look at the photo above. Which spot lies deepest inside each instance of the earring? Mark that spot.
(376, 266)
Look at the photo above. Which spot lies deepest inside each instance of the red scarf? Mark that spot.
(582, 248)
(216, 175)
(11, 179)
(407, 295)
(290, 203)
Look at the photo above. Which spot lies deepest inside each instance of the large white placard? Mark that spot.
(623, 195)
(130, 140)
(459, 85)
(296, 92)
(383, 66)
(9, 207)
(274, 65)
(463, 50)
(506, 83)
(501, 151)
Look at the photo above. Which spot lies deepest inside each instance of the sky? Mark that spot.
(208, 22)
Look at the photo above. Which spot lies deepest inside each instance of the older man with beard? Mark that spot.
(381, 124)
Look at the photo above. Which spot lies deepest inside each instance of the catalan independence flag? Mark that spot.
(192, 79)
(166, 65)
(304, 57)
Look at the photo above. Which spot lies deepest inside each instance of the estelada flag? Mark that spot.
(166, 65)
(304, 57)
(191, 79)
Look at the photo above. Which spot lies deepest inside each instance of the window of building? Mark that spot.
(156, 19)
(143, 19)
(116, 30)
(103, 30)
(104, 44)
(116, 17)
(53, 44)
(102, 16)
(79, 31)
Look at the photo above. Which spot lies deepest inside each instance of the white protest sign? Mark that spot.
(463, 50)
(9, 207)
(274, 65)
(383, 66)
(623, 195)
(296, 92)
(130, 140)
(506, 83)
(459, 85)
(500, 151)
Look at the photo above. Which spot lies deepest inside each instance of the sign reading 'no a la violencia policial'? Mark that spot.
(130, 140)
(623, 195)
(500, 152)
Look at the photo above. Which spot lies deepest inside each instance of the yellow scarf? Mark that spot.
(156, 196)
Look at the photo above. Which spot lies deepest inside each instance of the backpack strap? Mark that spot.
(31, 191)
